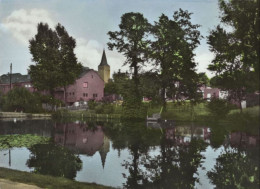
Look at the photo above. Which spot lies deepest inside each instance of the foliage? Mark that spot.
(217, 135)
(17, 141)
(133, 107)
(131, 39)
(203, 79)
(50, 159)
(149, 85)
(108, 109)
(235, 170)
(48, 99)
(99, 109)
(110, 87)
(236, 49)
(56, 64)
(219, 107)
(20, 99)
(117, 85)
(92, 104)
(60, 113)
(172, 51)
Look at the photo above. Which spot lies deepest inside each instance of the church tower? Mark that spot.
(104, 150)
(104, 68)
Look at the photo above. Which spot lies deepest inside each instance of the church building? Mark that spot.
(104, 68)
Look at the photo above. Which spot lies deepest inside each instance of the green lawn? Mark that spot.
(254, 111)
(45, 181)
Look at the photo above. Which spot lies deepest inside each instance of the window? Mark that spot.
(85, 85)
(84, 94)
(95, 95)
(73, 93)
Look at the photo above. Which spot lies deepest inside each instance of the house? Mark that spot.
(89, 84)
(8, 81)
(208, 93)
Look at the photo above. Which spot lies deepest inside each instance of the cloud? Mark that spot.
(204, 59)
(88, 52)
(22, 24)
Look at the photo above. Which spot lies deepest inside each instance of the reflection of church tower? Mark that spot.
(104, 68)
(104, 150)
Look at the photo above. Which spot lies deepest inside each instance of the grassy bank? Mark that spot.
(81, 114)
(45, 181)
(23, 115)
(177, 112)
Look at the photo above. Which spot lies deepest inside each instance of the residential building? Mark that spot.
(208, 93)
(8, 81)
(89, 85)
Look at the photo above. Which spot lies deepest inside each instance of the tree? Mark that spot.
(172, 52)
(149, 85)
(69, 68)
(44, 49)
(204, 79)
(131, 39)
(56, 64)
(236, 50)
(20, 99)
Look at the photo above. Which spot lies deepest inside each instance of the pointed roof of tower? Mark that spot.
(104, 60)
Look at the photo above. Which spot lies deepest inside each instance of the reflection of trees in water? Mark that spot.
(217, 136)
(50, 159)
(173, 167)
(236, 169)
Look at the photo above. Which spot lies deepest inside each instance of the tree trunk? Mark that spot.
(163, 98)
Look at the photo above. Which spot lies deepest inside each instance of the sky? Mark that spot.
(89, 21)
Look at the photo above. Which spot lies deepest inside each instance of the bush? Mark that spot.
(219, 107)
(99, 109)
(20, 99)
(60, 113)
(108, 109)
(92, 104)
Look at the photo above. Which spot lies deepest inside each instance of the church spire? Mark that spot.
(104, 59)
(104, 150)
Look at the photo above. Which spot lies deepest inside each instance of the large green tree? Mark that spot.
(172, 52)
(235, 43)
(56, 63)
(131, 39)
(69, 68)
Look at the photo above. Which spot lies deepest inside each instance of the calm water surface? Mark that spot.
(137, 154)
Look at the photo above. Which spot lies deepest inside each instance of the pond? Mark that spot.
(133, 154)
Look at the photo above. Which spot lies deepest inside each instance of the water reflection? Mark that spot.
(139, 155)
(50, 159)
(82, 138)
